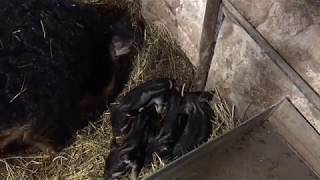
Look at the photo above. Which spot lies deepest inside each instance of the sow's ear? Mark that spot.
(122, 39)
(120, 46)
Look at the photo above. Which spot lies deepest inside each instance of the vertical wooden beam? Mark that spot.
(210, 28)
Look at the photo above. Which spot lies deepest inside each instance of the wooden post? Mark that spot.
(212, 20)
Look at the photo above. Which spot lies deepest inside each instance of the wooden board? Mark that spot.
(298, 133)
(187, 160)
(255, 150)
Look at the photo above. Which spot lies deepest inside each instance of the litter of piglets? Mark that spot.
(156, 118)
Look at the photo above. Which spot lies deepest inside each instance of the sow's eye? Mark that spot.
(3, 81)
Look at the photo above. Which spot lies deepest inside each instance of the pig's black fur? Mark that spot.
(151, 93)
(198, 114)
(61, 52)
(184, 124)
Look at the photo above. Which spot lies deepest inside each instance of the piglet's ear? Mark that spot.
(114, 143)
(206, 96)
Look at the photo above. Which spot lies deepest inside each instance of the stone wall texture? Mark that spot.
(247, 77)
(183, 18)
(240, 70)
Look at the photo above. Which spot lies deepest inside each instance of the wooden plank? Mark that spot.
(276, 58)
(210, 27)
(298, 133)
(210, 146)
(258, 154)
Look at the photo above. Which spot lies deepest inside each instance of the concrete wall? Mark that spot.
(241, 71)
(183, 18)
(247, 77)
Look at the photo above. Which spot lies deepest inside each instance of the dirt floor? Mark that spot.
(85, 157)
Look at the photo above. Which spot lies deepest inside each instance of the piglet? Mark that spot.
(152, 93)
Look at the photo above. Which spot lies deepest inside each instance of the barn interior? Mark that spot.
(260, 57)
